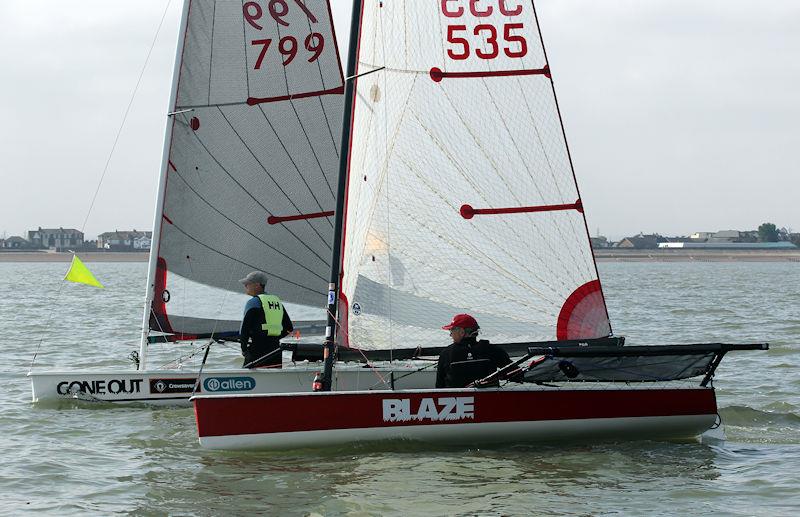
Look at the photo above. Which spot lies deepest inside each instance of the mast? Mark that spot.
(162, 186)
(344, 161)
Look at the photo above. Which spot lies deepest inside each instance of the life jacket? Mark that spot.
(273, 314)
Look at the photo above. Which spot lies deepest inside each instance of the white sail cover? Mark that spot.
(462, 113)
(255, 135)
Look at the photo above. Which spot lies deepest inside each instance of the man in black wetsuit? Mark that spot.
(464, 331)
(265, 322)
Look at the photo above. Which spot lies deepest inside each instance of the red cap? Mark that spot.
(465, 321)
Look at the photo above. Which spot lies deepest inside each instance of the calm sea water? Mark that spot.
(80, 458)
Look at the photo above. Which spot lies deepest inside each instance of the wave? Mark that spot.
(744, 416)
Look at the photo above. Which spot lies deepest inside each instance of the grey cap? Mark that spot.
(255, 277)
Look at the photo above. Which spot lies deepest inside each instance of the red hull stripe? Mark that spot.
(275, 219)
(252, 101)
(437, 74)
(228, 416)
(467, 212)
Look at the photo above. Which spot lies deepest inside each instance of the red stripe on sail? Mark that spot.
(437, 74)
(468, 212)
(252, 101)
(167, 219)
(276, 219)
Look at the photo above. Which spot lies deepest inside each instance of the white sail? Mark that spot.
(254, 137)
(462, 118)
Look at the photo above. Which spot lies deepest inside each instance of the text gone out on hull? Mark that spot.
(466, 416)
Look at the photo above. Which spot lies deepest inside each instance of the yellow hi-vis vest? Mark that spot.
(273, 314)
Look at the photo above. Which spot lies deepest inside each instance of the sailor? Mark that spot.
(464, 333)
(265, 322)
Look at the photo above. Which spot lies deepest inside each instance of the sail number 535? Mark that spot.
(491, 39)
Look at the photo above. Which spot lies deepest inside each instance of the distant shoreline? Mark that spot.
(696, 255)
(86, 256)
(602, 255)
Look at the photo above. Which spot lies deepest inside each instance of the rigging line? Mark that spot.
(211, 51)
(269, 175)
(154, 316)
(276, 250)
(125, 116)
(53, 302)
(183, 357)
(413, 372)
(366, 359)
(221, 303)
(256, 268)
(225, 170)
(362, 74)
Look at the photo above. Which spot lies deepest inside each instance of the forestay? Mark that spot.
(461, 195)
(254, 138)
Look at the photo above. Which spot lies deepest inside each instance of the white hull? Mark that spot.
(477, 433)
(173, 387)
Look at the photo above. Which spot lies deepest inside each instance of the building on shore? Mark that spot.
(14, 243)
(783, 245)
(125, 240)
(641, 241)
(599, 242)
(55, 238)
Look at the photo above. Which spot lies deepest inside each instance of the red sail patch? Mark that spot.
(583, 315)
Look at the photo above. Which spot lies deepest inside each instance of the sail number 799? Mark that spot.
(287, 46)
(490, 38)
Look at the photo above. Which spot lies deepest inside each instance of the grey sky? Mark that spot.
(681, 114)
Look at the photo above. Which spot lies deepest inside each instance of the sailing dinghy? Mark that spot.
(247, 182)
(456, 190)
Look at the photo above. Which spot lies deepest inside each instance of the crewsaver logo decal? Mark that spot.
(164, 386)
(431, 410)
(229, 384)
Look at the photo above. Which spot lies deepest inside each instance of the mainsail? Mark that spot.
(461, 195)
(253, 139)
